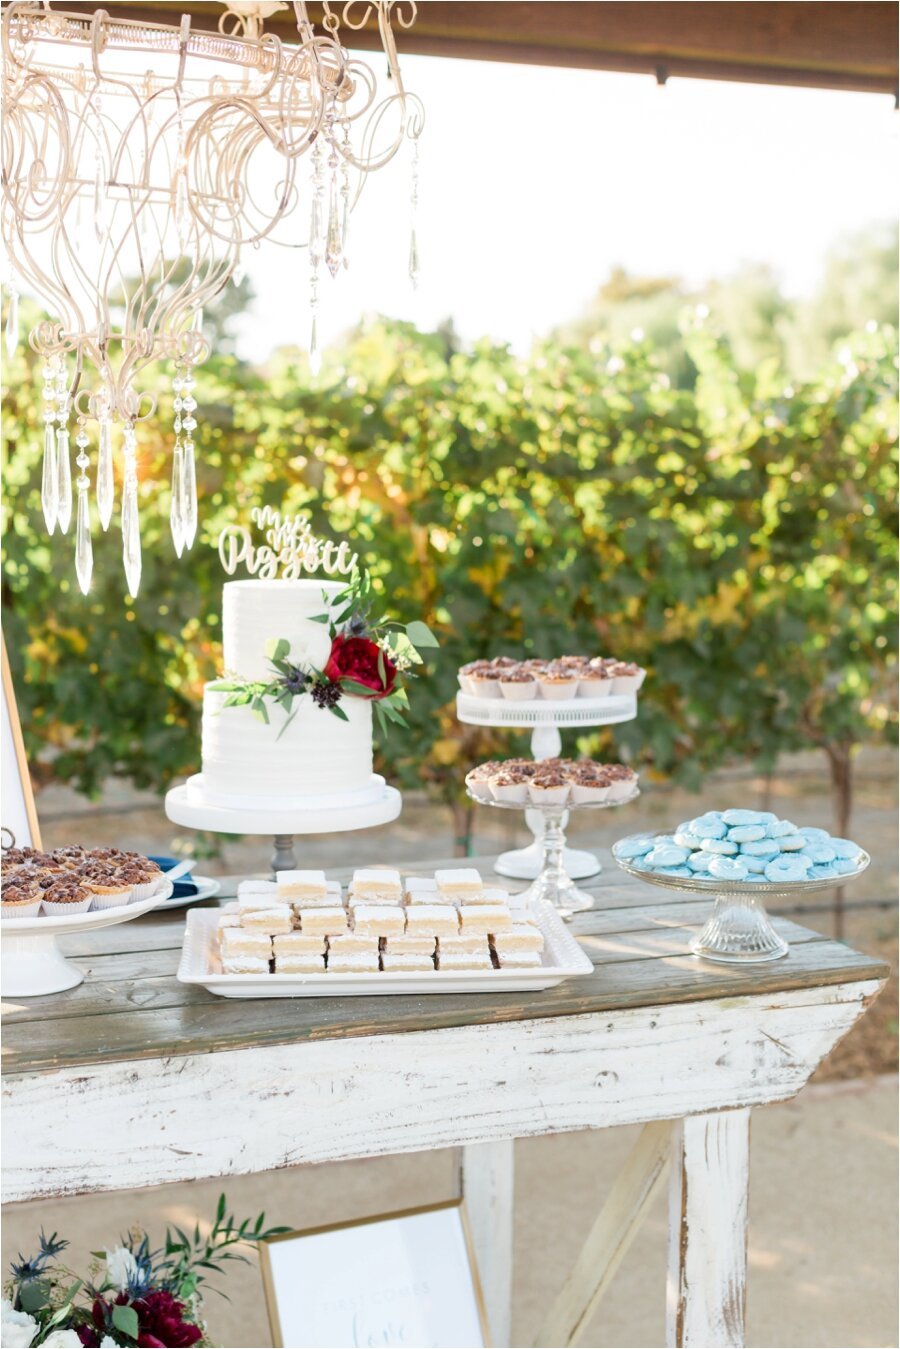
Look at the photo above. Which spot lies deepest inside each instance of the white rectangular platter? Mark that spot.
(562, 959)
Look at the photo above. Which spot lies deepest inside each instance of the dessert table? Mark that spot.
(132, 1079)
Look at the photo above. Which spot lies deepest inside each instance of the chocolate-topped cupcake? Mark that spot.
(67, 895)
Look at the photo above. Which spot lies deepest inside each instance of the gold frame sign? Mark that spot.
(406, 1279)
(19, 822)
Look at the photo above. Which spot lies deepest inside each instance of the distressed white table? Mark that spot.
(134, 1080)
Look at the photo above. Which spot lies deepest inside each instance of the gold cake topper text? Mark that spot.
(290, 548)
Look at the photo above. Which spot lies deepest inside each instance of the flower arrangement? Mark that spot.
(370, 657)
(132, 1296)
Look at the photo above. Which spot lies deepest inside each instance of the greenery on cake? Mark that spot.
(372, 656)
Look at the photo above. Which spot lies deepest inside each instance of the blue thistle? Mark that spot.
(25, 1270)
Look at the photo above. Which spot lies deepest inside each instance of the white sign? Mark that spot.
(17, 814)
(405, 1279)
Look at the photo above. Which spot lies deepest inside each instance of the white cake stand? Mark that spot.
(545, 717)
(739, 931)
(33, 964)
(185, 805)
(553, 882)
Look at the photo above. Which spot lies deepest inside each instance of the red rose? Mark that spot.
(357, 658)
(161, 1318)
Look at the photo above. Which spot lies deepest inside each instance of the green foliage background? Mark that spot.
(734, 531)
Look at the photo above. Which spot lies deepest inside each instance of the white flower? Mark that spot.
(121, 1267)
(108, 1343)
(66, 1339)
(17, 1329)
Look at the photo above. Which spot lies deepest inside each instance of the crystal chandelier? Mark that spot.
(139, 161)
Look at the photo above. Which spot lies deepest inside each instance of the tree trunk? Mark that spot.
(463, 815)
(840, 762)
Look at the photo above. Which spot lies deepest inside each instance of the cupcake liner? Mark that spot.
(60, 908)
(586, 794)
(518, 692)
(117, 900)
(517, 793)
(626, 683)
(549, 796)
(481, 788)
(619, 789)
(486, 688)
(594, 688)
(143, 891)
(465, 684)
(21, 910)
(566, 688)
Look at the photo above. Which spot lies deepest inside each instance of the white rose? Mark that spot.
(107, 1343)
(64, 1339)
(17, 1329)
(121, 1267)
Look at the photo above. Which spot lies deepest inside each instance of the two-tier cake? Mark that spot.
(307, 758)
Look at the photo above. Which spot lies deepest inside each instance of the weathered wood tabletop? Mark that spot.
(131, 1007)
(147, 1081)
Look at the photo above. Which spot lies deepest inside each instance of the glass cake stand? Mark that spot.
(553, 882)
(739, 930)
(545, 717)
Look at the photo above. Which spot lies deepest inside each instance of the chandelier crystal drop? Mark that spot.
(139, 161)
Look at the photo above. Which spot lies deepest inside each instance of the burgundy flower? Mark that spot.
(357, 658)
(162, 1322)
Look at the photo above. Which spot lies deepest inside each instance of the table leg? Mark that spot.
(487, 1188)
(706, 1288)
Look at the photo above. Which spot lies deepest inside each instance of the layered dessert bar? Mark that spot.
(461, 884)
(330, 921)
(302, 886)
(278, 918)
(377, 883)
(431, 920)
(484, 918)
(379, 920)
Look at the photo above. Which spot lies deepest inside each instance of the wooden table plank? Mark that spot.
(131, 1006)
(203, 1023)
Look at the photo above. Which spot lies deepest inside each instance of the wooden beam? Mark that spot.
(615, 1228)
(829, 45)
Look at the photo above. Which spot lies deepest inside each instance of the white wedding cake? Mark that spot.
(318, 760)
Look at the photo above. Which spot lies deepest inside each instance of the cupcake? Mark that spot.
(486, 682)
(108, 889)
(144, 877)
(622, 781)
(20, 900)
(465, 673)
(67, 895)
(589, 786)
(478, 780)
(518, 685)
(510, 786)
(558, 682)
(549, 789)
(627, 677)
(595, 682)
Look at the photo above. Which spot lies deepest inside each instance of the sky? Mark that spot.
(536, 181)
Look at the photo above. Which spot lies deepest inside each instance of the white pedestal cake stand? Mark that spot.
(739, 931)
(553, 882)
(545, 717)
(186, 807)
(33, 964)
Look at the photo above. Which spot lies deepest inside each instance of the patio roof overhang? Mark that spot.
(833, 45)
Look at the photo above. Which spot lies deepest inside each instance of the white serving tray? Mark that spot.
(563, 959)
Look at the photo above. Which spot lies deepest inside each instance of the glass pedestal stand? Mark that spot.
(189, 810)
(553, 882)
(545, 717)
(739, 930)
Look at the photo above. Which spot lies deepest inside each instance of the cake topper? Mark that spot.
(290, 548)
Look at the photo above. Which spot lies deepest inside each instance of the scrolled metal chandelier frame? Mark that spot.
(130, 194)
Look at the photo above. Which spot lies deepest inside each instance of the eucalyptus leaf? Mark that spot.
(421, 635)
(125, 1320)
